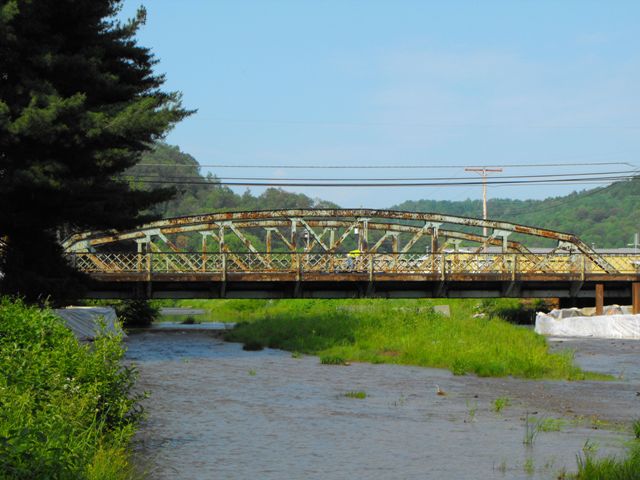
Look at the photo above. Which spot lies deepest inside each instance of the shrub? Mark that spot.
(65, 407)
(137, 313)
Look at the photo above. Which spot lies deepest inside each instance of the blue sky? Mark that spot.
(402, 82)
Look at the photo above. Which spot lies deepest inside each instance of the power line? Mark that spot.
(393, 184)
(387, 167)
(386, 179)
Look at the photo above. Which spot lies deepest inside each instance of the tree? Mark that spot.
(79, 103)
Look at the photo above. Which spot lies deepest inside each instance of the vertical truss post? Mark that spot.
(395, 245)
(221, 247)
(363, 238)
(635, 297)
(332, 241)
(143, 247)
(269, 240)
(434, 239)
(395, 242)
(204, 249)
(294, 243)
(599, 298)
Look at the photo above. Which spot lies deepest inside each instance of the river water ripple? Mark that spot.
(217, 411)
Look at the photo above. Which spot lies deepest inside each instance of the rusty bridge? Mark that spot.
(305, 253)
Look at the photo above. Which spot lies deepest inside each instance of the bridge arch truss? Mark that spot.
(312, 245)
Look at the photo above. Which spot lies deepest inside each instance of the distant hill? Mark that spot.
(203, 194)
(606, 216)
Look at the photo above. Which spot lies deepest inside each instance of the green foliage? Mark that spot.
(604, 216)
(500, 403)
(635, 427)
(66, 409)
(137, 313)
(551, 424)
(531, 429)
(403, 332)
(79, 102)
(332, 360)
(205, 194)
(359, 394)
(609, 468)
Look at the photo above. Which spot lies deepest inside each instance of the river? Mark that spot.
(216, 411)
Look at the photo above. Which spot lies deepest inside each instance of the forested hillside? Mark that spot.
(605, 216)
(203, 194)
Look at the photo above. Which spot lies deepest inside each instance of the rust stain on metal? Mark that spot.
(345, 219)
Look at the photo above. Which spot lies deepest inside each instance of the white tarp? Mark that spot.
(602, 326)
(87, 322)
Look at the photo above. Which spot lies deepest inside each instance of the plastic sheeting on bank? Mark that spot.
(575, 323)
(87, 322)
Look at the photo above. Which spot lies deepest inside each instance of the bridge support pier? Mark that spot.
(635, 298)
(599, 298)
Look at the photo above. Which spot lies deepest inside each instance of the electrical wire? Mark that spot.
(386, 179)
(386, 167)
(391, 184)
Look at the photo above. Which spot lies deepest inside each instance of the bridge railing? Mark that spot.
(448, 263)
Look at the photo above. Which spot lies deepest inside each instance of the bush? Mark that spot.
(137, 313)
(66, 409)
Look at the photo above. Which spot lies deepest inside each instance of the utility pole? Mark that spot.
(483, 172)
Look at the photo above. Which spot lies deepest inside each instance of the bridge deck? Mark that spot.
(279, 275)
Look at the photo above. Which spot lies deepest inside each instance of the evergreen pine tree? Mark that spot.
(79, 103)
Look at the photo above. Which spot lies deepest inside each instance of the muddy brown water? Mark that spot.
(216, 411)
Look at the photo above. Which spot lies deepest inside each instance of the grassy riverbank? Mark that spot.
(66, 410)
(405, 332)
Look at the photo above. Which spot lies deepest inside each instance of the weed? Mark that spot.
(531, 427)
(590, 448)
(636, 428)
(528, 466)
(332, 360)
(359, 394)
(626, 468)
(500, 403)
(502, 467)
(296, 355)
(551, 424)
(472, 409)
(252, 373)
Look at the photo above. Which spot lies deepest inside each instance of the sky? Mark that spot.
(368, 83)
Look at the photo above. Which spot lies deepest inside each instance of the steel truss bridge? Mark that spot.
(303, 253)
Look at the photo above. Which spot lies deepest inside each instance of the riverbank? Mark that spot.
(66, 408)
(219, 411)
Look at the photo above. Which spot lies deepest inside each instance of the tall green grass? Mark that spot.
(610, 468)
(405, 332)
(66, 410)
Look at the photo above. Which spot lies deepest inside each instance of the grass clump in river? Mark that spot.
(359, 394)
(65, 408)
(610, 468)
(405, 332)
(500, 403)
